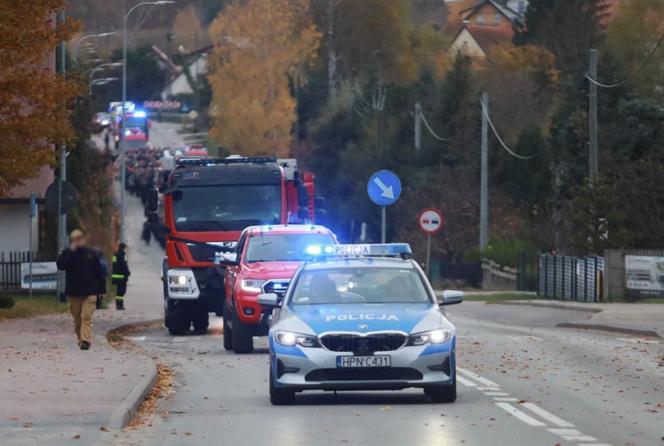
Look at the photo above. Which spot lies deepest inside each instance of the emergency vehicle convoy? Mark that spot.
(207, 204)
(265, 260)
(360, 317)
(136, 127)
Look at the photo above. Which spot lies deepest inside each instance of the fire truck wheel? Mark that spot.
(243, 341)
(175, 319)
(201, 320)
(228, 332)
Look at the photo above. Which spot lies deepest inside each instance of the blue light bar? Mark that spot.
(360, 250)
(139, 114)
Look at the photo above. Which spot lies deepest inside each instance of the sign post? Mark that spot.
(431, 220)
(33, 213)
(384, 188)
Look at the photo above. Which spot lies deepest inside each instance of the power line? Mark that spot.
(500, 140)
(646, 61)
(426, 124)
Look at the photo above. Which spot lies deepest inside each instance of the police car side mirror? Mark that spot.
(269, 300)
(451, 297)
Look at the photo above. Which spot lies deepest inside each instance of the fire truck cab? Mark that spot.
(207, 203)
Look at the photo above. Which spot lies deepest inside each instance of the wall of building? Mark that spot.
(15, 227)
(466, 45)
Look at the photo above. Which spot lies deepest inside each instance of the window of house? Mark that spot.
(498, 18)
(480, 19)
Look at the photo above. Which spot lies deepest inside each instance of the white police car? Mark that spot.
(361, 317)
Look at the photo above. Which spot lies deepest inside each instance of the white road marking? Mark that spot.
(572, 435)
(477, 377)
(496, 394)
(506, 399)
(136, 338)
(520, 415)
(548, 416)
(489, 389)
(639, 340)
(465, 382)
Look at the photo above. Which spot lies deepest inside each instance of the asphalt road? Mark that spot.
(520, 384)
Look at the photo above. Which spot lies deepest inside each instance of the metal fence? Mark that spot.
(10, 267)
(571, 278)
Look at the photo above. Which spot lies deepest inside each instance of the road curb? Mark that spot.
(127, 409)
(610, 328)
(547, 305)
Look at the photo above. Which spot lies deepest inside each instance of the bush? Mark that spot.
(6, 301)
(504, 252)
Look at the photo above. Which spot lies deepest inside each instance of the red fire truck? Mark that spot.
(207, 204)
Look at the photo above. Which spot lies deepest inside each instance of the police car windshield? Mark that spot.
(283, 247)
(359, 285)
(226, 208)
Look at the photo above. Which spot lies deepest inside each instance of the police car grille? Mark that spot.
(277, 287)
(364, 374)
(379, 342)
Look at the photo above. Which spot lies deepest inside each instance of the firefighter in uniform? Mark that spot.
(120, 275)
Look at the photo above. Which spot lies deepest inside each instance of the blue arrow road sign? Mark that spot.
(384, 188)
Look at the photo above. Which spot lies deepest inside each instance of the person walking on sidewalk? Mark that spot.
(120, 275)
(85, 280)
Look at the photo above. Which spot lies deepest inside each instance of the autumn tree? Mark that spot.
(631, 40)
(34, 113)
(260, 50)
(190, 34)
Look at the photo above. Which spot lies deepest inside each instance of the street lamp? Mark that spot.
(89, 36)
(124, 100)
(102, 81)
(103, 67)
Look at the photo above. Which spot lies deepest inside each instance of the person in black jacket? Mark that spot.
(120, 275)
(85, 280)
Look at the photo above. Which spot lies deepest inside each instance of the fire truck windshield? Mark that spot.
(283, 247)
(135, 122)
(226, 208)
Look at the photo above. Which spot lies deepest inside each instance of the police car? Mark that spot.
(361, 317)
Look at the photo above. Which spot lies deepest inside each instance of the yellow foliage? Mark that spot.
(260, 47)
(531, 59)
(34, 113)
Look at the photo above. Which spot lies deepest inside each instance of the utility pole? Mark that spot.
(418, 126)
(484, 181)
(593, 155)
(62, 216)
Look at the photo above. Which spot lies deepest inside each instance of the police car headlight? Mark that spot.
(251, 285)
(434, 337)
(290, 339)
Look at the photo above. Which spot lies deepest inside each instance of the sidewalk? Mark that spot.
(52, 392)
(633, 319)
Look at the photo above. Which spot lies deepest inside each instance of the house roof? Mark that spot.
(36, 185)
(487, 36)
(508, 12)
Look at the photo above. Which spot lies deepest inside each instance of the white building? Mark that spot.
(15, 226)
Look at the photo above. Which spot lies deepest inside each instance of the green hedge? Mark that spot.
(505, 252)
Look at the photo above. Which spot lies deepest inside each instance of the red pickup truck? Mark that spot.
(265, 260)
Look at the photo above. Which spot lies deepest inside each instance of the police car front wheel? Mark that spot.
(445, 393)
(280, 396)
